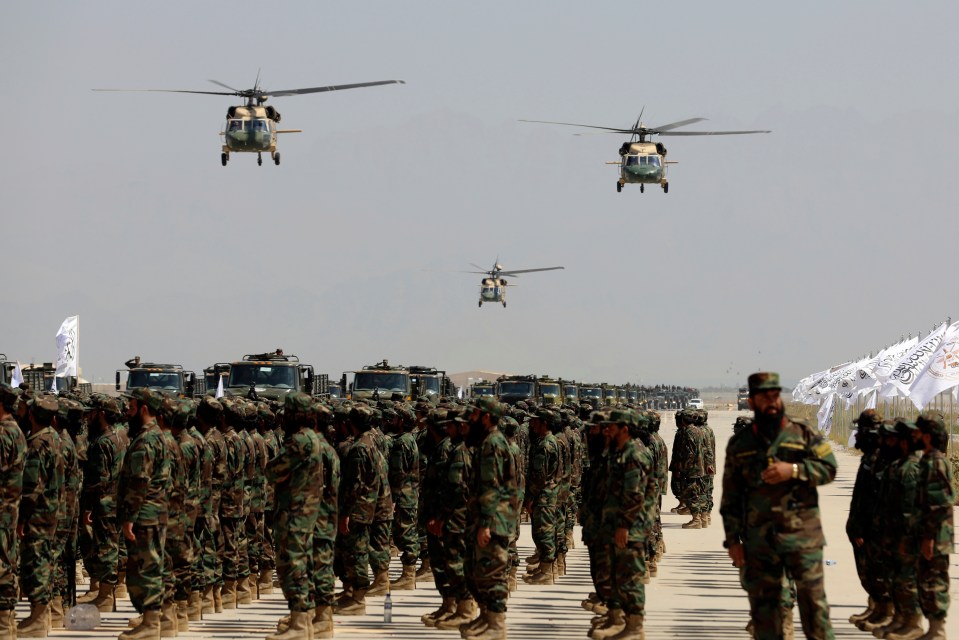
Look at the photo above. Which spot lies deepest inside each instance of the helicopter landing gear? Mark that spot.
(665, 187)
(480, 303)
(224, 159)
(504, 304)
(642, 188)
(619, 186)
(259, 159)
(276, 158)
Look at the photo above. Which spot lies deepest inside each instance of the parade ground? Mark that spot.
(696, 594)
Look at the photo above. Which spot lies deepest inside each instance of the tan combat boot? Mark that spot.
(937, 630)
(194, 606)
(425, 572)
(243, 593)
(217, 599)
(859, 617)
(104, 602)
(570, 541)
(56, 612)
(477, 626)
(465, 613)
(544, 576)
(695, 523)
(228, 594)
(381, 584)
(633, 629)
(447, 608)
(495, 627)
(591, 600)
(897, 621)
(8, 624)
(265, 581)
(182, 616)
(561, 561)
(600, 609)
(355, 605)
(37, 623)
(298, 629)
(789, 626)
(121, 588)
(148, 629)
(911, 628)
(407, 581)
(168, 623)
(207, 603)
(323, 622)
(615, 622)
(90, 595)
(882, 615)
(707, 519)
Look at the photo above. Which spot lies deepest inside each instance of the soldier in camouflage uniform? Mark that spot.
(69, 422)
(187, 594)
(542, 494)
(209, 414)
(693, 460)
(681, 444)
(13, 454)
(324, 535)
(298, 475)
(563, 495)
(701, 419)
(437, 445)
(267, 420)
(494, 512)
(232, 498)
(935, 506)
(510, 429)
(404, 477)
(177, 551)
(865, 496)
(255, 524)
(657, 448)
(595, 536)
(39, 508)
(773, 469)
(145, 482)
(248, 552)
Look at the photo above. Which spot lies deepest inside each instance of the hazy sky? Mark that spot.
(793, 251)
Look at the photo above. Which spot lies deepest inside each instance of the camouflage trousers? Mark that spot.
(324, 582)
(934, 580)
(559, 527)
(694, 494)
(355, 549)
(145, 562)
(572, 508)
(242, 548)
(905, 590)
(103, 560)
(380, 545)
(770, 554)
(627, 567)
(487, 570)
(454, 564)
(543, 523)
(708, 489)
(677, 485)
(405, 536)
(436, 547)
(36, 567)
(229, 547)
(178, 564)
(294, 562)
(206, 560)
(9, 566)
(254, 535)
(268, 559)
(599, 570)
(64, 553)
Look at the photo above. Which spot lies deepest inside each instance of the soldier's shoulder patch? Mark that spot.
(792, 445)
(822, 449)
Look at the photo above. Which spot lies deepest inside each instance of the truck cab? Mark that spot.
(269, 376)
(379, 381)
(170, 379)
(513, 389)
(428, 382)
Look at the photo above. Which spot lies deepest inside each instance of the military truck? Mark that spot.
(6, 369)
(378, 382)
(271, 376)
(742, 399)
(429, 382)
(482, 388)
(570, 391)
(213, 374)
(610, 394)
(42, 377)
(550, 391)
(513, 389)
(171, 379)
(591, 393)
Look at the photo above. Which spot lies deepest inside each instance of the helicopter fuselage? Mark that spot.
(250, 129)
(642, 163)
(493, 290)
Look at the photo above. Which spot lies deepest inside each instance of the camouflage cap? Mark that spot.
(599, 417)
(491, 406)
(45, 407)
(264, 412)
(209, 409)
(904, 427)
(931, 422)
(297, 402)
(8, 394)
(107, 405)
(869, 419)
(625, 417)
(888, 428)
(508, 425)
(148, 397)
(322, 412)
(763, 381)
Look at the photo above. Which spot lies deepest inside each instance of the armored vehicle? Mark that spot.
(168, 378)
(379, 382)
(270, 376)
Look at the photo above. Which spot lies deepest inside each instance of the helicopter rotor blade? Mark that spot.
(514, 272)
(207, 93)
(712, 133)
(333, 87)
(674, 125)
(475, 266)
(225, 86)
(588, 126)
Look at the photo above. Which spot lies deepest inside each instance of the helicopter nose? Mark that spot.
(643, 171)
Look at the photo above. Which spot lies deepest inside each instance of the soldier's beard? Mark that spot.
(596, 444)
(476, 434)
(135, 423)
(769, 422)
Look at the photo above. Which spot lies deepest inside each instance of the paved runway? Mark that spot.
(697, 593)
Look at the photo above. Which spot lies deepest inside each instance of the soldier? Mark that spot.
(510, 428)
(39, 509)
(770, 511)
(542, 494)
(494, 507)
(13, 453)
(680, 444)
(438, 445)
(145, 483)
(701, 419)
(298, 475)
(935, 506)
(404, 477)
(661, 477)
(98, 501)
(265, 428)
(232, 498)
(865, 496)
(209, 415)
(694, 459)
(69, 421)
(324, 535)
(595, 536)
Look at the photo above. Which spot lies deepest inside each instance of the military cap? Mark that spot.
(322, 412)
(548, 416)
(904, 426)
(599, 417)
(654, 418)
(148, 397)
(264, 411)
(522, 405)
(209, 408)
(107, 405)
(45, 407)
(868, 420)
(508, 425)
(8, 394)
(489, 405)
(297, 402)
(888, 428)
(931, 422)
(621, 416)
(763, 381)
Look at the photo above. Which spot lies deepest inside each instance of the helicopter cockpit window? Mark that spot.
(653, 160)
(632, 160)
(236, 125)
(259, 125)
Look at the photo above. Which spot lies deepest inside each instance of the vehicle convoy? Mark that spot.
(171, 379)
(378, 382)
(271, 376)
(591, 393)
(43, 377)
(513, 389)
(550, 391)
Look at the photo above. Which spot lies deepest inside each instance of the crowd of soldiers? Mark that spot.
(902, 547)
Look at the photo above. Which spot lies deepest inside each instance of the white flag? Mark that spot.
(825, 414)
(848, 386)
(53, 385)
(912, 365)
(68, 345)
(802, 390)
(851, 444)
(219, 388)
(888, 358)
(17, 378)
(942, 371)
(871, 401)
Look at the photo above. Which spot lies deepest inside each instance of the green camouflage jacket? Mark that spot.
(191, 453)
(233, 494)
(904, 514)
(260, 458)
(660, 462)
(13, 456)
(145, 479)
(404, 472)
(456, 487)
(935, 500)
(72, 480)
(42, 484)
(361, 483)
(327, 519)
(104, 459)
(709, 451)
(627, 504)
(215, 456)
(495, 491)
(544, 472)
(298, 475)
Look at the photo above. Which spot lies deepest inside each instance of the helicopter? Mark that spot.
(252, 127)
(642, 161)
(493, 286)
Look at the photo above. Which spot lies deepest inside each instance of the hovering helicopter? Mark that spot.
(493, 286)
(642, 161)
(252, 128)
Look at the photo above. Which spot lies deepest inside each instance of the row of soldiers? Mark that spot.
(902, 547)
(693, 466)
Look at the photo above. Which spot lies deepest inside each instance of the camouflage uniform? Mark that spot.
(453, 512)
(709, 455)
(596, 535)
(380, 529)
(901, 532)
(542, 493)
(324, 535)
(404, 486)
(661, 477)
(564, 484)
(434, 479)
(13, 453)
(778, 524)
(176, 549)
(232, 498)
(64, 551)
(191, 452)
(360, 488)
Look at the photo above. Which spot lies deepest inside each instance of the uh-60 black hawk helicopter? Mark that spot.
(252, 127)
(493, 285)
(644, 162)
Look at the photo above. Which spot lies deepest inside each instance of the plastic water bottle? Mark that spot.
(83, 617)
(388, 609)
(830, 563)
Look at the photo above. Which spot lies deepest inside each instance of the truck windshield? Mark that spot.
(549, 389)
(243, 375)
(591, 392)
(384, 382)
(482, 391)
(524, 389)
(571, 392)
(154, 380)
(428, 385)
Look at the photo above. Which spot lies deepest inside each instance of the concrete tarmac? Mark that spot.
(696, 595)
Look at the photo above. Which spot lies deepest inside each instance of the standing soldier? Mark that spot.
(383, 516)
(770, 510)
(595, 485)
(265, 427)
(865, 496)
(680, 444)
(13, 453)
(694, 459)
(187, 593)
(439, 447)
(709, 455)
(404, 476)
(324, 535)
(232, 499)
(541, 496)
(661, 476)
(298, 475)
(209, 415)
(510, 428)
(176, 551)
(39, 508)
(937, 495)
(69, 419)
(495, 507)
(145, 483)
